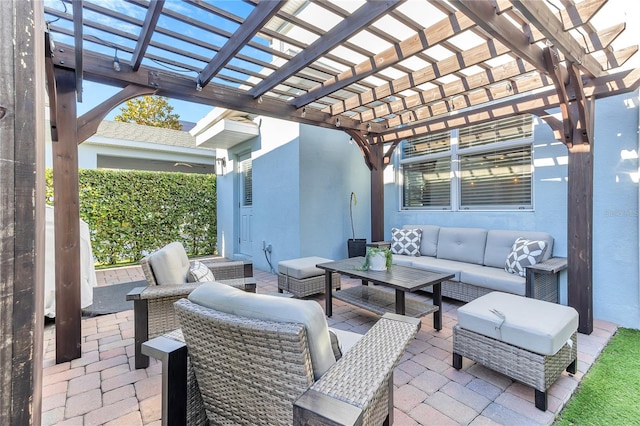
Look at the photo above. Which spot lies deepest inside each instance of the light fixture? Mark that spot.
(116, 61)
(260, 100)
(198, 85)
(304, 112)
(221, 164)
(368, 127)
(338, 122)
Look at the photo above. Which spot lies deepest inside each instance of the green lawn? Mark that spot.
(609, 394)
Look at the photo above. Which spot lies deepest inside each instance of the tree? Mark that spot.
(149, 111)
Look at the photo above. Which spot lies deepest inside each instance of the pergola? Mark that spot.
(382, 71)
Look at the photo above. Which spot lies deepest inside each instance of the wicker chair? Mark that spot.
(167, 283)
(240, 370)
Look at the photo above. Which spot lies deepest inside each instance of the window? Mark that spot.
(246, 182)
(486, 166)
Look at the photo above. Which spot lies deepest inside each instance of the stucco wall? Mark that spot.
(615, 216)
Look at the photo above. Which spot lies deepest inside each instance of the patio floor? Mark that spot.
(103, 387)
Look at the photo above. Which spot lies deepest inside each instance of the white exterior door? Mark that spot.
(245, 239)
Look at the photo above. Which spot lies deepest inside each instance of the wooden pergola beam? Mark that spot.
(98, 68)
(539, 14)
(88, 122)
(77, 30)
(428, 37)
(258, 17)
(468, 58)
(150, 21)
(366, 14)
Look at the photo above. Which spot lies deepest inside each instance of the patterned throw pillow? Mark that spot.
(198, 272)
(406, 241)
(524, 253)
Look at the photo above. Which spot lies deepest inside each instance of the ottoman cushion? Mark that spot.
(535, 325)
(303, 267)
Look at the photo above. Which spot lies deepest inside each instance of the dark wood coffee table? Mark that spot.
(400, 278)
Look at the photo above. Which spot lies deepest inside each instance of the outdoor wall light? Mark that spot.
(221, 164)
(198, 86)
(116, 61)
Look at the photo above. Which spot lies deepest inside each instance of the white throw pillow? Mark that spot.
(199, 273)
(524, 253)
(406, 241)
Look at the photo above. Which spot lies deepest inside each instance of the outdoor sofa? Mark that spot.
(478, 259)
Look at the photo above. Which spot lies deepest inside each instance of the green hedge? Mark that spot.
(131, 213)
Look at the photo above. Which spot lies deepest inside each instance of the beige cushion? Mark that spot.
(170, 264)
(304, 267)
(231, 300)
(535, 325)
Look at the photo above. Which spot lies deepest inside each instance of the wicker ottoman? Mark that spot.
(529, 340)
(301, 278)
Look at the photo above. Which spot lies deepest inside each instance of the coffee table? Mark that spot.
(400, 278)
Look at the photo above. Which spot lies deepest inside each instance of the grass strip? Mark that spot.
(610, 391)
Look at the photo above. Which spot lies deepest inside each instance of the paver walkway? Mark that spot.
(103, 387)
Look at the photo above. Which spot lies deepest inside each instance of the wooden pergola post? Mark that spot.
(22, 211)
(66, 219)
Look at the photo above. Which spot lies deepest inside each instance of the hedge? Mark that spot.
(131, 213)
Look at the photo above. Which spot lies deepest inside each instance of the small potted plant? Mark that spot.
(377, 259)
(355, 246)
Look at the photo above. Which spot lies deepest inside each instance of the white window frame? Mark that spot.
(455, 154)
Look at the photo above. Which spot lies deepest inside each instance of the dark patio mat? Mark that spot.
(110, 299)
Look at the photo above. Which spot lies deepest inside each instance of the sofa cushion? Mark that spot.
(493, 279)
(170, 264)
(500, 242)
(406, 241)
(535, 325)
(462, 244)
(234, 301)
(439, 265)
(199, 272)
(301, 268)
(429, 239)
(524, 253)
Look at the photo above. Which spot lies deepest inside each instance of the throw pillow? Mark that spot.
(406, 241)
(198, 272)
(524, 253)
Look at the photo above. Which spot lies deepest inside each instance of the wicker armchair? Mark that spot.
(167, 283)
(239, 370)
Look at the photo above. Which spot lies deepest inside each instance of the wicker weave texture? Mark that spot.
(306, 286)
(361, 377)
(536, 370)
(251, 370)
(225, 270)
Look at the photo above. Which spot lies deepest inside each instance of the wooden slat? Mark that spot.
(481, 79)
(429, 37)
(611, 85)
(150, 21)
(258, 17)
(498, 27)
(447, 66)
(77, 29)
(365, 15)
(541, 17)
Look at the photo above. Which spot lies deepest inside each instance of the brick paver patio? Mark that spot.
(103, 387)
